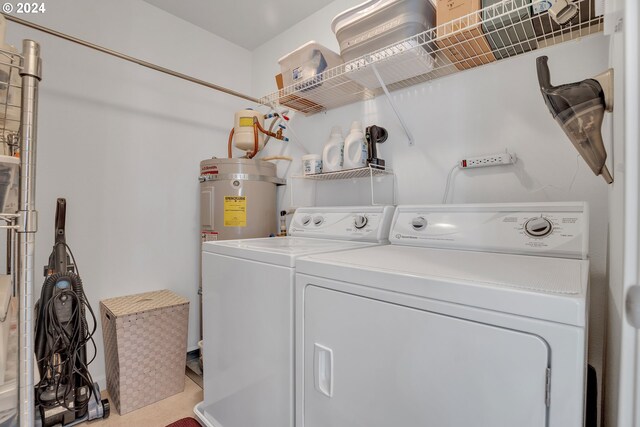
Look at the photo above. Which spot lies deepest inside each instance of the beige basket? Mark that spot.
(145, 346)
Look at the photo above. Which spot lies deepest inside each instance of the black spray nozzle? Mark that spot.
(375, 135)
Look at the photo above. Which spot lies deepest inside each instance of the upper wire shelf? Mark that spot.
(503, 30)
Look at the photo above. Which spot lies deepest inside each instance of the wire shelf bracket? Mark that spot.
(393, 105)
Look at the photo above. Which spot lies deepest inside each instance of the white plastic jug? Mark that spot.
(355, 148)
(333, 151)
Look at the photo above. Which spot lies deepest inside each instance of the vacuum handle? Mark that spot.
(544, 78)
(61, 214)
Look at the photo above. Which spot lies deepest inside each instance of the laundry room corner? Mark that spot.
(113, 134)
(335, 213)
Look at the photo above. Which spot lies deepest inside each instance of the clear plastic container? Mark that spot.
(306, 62)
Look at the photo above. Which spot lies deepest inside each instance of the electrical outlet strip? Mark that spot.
(498, 159)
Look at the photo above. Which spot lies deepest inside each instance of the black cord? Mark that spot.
(73, 259)
(62, 361)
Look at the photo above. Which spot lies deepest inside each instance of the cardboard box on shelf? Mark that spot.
(462, 40)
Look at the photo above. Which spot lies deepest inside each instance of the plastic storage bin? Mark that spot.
(512, 33)
(375, 31)
(308, 61)
(145, 345)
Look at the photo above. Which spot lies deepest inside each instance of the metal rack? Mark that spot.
(18, 134)
(510, 27)
(377, 178)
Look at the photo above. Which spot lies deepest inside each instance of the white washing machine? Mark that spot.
(248, 318)
(474, 315)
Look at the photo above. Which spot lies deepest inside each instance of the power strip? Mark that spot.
(498, 159)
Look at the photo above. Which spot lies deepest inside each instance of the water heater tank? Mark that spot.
(237, 199)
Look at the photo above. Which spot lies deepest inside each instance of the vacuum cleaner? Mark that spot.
(66, 394)
(579, 108)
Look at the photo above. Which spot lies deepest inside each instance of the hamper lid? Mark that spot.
(121, 306)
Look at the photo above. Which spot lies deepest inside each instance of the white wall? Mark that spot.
(476, 112)
(122, 143)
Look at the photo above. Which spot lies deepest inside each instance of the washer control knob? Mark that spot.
(538, 227)
(419, 223)
(359, 221)
(317, 220)
(306, 220)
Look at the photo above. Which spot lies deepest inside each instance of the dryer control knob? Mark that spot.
(360, 221)
(419, 223)
(306, 220)
(538, 227)
(318, 220)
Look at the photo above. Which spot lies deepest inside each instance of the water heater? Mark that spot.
(237, 199)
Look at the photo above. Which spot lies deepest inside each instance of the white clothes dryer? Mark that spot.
(474, 315)
(248, 318)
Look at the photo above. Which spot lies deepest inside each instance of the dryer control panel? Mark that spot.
(546, 229)
(357, 223)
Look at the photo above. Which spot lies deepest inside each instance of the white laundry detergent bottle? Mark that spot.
(333, 151)
(355, 148)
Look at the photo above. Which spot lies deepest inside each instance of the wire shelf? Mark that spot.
(10, 100)
(368, 172)
(306, 190)
(506, 29)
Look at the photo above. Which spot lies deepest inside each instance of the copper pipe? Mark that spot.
(266, 132)
(229, 149)
(256, 125)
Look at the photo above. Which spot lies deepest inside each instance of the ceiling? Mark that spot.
(247, 23)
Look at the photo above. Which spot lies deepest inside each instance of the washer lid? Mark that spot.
(278, 250)
(551, 289)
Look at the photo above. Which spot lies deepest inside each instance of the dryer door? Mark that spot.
(369, 363)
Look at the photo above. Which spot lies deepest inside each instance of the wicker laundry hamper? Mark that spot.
(145, 346)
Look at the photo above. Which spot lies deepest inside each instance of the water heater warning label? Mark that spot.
(235, 211)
